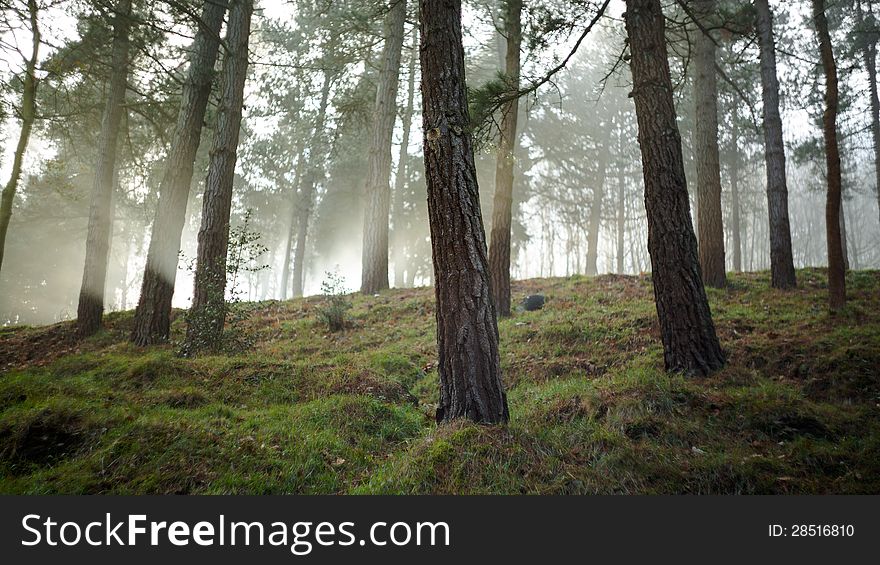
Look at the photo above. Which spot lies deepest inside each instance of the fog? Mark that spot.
(577, 152)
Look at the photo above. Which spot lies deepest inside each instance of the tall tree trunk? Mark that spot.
(288, 247)
(208, 312)
(735, 219)
(621, 216)
(686, 328)
(467, 330)
(782, 273)
(710, 228)
(374, 258)
(499, 242)
(869, 56)
(595, 219)
(836, 268)
(844, 243)
(399, 236)
(152, 318)
(28, 114)
(314, 170)
(291, 228)
(91, 297)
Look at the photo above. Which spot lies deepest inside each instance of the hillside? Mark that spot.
(797, 409)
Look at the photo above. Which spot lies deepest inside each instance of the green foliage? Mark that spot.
(334, 310)
(307, 411)
(224, 309)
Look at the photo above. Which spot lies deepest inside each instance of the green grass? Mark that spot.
(796, 410)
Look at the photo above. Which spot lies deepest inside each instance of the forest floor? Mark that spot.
(796, 410)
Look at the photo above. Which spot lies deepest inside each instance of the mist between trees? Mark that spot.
(104, 101)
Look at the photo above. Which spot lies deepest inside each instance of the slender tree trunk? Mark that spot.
(152, 318)
(288, 247)
(499, 247)
(844, 242)
(28, 116)
(91, 297)
(467, 331)
(836, 267)
(399, 246)
(314, 170)
(595, 219)
(621, 217)
(735, 220)
(869, 56)
(291, 228)
(782, 273)
(374, 257)
(688, 333)
(710, 228)
(208, 312)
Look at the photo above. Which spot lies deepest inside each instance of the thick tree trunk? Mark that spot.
(710, 228)
(152, 318)
(91, 297)
(208, 312)
(735, 216)
(782, 273)
(467, 331)
(374, 257)
(836, 268)
(399, 235)
(686, 328)
(314, 170)
(499, 243)
(28, 113)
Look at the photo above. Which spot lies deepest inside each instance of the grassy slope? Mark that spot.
(796, 410)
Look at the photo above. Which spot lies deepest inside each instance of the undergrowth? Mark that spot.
(307, 410)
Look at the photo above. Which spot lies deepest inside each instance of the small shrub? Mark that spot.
(334, 309)
(219, 326)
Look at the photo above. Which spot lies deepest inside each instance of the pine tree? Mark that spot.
(152, 320)
(467, 331)
(90, 310)
(686, 328)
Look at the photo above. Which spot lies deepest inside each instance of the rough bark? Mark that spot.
(152, 318)
(836, 269)
(499, 242)
(307, 192)
(782, 273)
(399, 235)
(689, 341)
(374, 257)
(90, 309)
(28, 113)
(208, 312)
(467, 332)
(710, 228)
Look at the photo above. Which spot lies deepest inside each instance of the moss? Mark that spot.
(794, 411)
